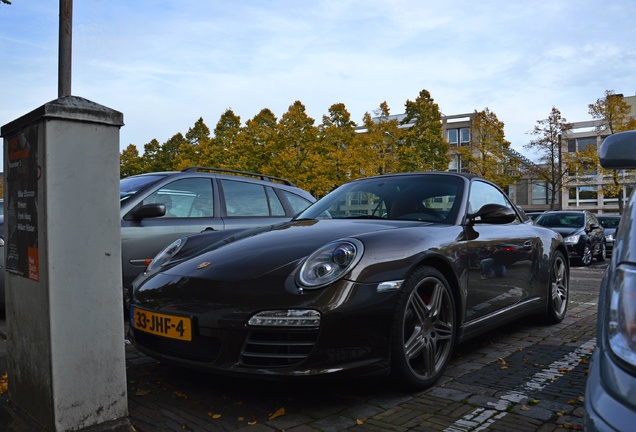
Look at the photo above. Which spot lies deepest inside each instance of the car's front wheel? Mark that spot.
(424, 330)
(586, 256)
(558, 290)
(602, 252)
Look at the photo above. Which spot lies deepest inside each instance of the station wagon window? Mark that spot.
(185, 198)
(244, 199)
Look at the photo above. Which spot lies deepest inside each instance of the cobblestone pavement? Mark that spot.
(522, 377)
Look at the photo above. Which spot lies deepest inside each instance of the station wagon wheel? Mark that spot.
(586, 258)
(558, 290)
(424, 330)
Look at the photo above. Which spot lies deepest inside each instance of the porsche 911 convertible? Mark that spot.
(384, 275)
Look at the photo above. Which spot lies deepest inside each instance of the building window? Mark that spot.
(583, 196)
(464, 136)
(455, 164)
(611, 198)
(581, 144)
(540, 192)
(459, 137)
(452, 137)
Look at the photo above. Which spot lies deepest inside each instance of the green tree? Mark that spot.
(424, 147)
(130, 162)
(293, 152)
(165, 157)
(614, 114)
(255, 141)
(224, 152)
(488, 152)
(344, 157)
(382, 138)
(194, 148)
(550, 133)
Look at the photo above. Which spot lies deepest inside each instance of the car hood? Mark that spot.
(275, 249)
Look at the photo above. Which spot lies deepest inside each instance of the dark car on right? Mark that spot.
(582, 232)
(610, 392)
(610, 224)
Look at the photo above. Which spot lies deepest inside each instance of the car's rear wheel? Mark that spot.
(558, 290)
(586, 256)
(424, 330)
(602, 252)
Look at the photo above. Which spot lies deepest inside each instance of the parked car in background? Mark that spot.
(609, 224)
(581, 231)
(610, 393)
(534, 214)
(159, 207)
(383, 275)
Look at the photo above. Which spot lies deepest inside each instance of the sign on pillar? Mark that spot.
(64, 305)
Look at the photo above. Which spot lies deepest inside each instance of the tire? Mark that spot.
(602, 252)
(558, 290)
(586, 257)
(424, 330)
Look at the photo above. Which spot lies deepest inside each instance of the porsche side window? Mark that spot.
(297, 202)
(483, 193)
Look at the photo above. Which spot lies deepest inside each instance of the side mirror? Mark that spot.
(618, 151)
(493, 214)
(150, 211)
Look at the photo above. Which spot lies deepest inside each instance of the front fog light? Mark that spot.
(286, 318)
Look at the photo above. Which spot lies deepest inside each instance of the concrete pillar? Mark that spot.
(65, 326)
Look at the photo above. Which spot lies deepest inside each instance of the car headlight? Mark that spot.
(165, 255)
(609, 237)
(329, 263)
(622, 317)
(572, 239)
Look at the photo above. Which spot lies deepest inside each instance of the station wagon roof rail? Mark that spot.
(244, 173)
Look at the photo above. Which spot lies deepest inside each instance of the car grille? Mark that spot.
(274, 349)
(199, 349)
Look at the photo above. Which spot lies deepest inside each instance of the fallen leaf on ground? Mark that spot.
(181, 395)
(279, 412)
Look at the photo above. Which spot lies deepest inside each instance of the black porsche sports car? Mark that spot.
(383, 275)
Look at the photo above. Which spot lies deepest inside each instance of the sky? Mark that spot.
(166, 63)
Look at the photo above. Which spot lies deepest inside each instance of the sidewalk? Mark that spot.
(521, 377)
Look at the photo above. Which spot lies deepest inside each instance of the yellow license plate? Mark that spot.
(170, 326)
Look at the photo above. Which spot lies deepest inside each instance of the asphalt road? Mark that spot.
(522, 377)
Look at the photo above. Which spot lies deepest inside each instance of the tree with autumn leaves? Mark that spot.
(320, 157)
(488, 153)
(613, 112)
(317, 157)
(559, 168)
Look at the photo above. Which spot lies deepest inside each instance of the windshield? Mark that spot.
(563, 220)
(129, 186)
(609, 222)
(423, 197)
